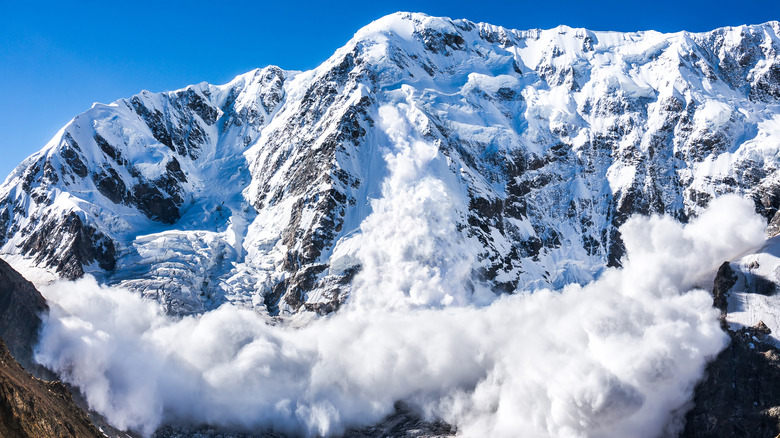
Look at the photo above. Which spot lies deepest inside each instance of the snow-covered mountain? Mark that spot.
(518, 152)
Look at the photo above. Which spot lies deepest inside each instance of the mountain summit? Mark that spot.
(511, 156)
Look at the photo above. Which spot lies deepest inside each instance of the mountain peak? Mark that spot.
(545, 140)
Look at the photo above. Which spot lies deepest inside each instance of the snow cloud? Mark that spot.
(617, 357)
(410, 250)
(612, 358)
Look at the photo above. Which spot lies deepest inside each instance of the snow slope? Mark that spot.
(520, 152)
(753, 298)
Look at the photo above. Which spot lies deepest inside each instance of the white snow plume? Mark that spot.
(618, 357)
(411, 253)
(614, 358)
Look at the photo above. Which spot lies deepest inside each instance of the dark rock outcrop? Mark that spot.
(33, 408)
(740, 395)
(67, 244)
(21, 308)
(724, 281)
(405, 421)
(24, 398)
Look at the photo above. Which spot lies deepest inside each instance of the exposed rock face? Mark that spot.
(21, 308)
(67, 245)
(546, 141)
(741, 394)
(404, 422)
(725, 279)
(32, 408)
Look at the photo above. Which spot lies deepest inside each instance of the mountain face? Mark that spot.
(21, 309)
(267, 191)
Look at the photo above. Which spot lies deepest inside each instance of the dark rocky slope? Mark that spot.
(740, 396)
(30, 407)
(21, 307)
(404, 422)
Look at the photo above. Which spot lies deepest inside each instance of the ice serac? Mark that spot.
(264, 191)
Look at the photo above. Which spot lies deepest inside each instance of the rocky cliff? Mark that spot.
(32, 408)
(739, 395)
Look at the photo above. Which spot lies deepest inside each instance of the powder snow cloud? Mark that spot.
(617, 357)
(612, 358)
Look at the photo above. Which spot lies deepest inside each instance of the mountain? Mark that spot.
(267, 191)
(424, 154)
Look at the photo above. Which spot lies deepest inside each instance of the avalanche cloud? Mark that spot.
(617, 357)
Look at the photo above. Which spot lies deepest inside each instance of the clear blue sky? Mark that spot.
(58, 57)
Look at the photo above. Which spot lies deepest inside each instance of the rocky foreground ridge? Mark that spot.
(21, 309)
(740, 394)
(33, 408)
(30, 407)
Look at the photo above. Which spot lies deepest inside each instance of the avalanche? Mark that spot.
(617, 357)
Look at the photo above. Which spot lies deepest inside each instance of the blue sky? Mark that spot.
(57, 58)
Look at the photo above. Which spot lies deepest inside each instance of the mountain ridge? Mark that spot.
(251, 192)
